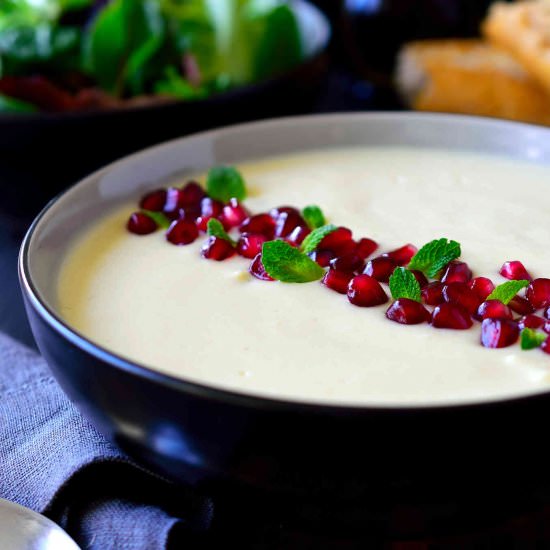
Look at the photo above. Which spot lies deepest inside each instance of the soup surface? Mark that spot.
(211, 322)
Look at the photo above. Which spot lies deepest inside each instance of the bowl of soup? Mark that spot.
(212, 374)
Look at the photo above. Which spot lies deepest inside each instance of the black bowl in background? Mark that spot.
(40, 154)
(353, 469)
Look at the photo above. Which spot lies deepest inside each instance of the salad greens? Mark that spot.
(182, 48)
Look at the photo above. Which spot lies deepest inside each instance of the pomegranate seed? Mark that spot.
(257, 269)
(297, 236)
(457, 272)
(420, 277)
(381, 268)
(452, 316)
(250, 244)
(493, 309)
(365, 291)
(520, 305)
(209, 209)
(403, 255)
(233, 214)
(365, 247)
(141, 224)
(216, 248)
(339, 241)
(407, 312)
(154, 201)
(337, 280)
(515, 271)
(460, 293)
(276, 212)
(349, 262)
(174, 203)
(482, 287)
(545, 346)
(182, 232)
(432, 293)
(547, 313)
(546, 327)
(538, 293)
(262, 224)
(499, 333)
(192, 195)
(531, 321)
(322, 257)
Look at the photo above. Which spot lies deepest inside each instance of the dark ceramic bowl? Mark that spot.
(43, 153)
(351, 463)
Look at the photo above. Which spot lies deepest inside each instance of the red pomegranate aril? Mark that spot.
(460, 293)
(250, 244)
(456, 272)
(538, 293)
(154, 201)
(322, 257)
(337, 280)
(499, 333)
(182, 232)
(257, 269)
(482, 286)
(174, 203)
(520, 305)
(547, 313)
(420, 277)
(276, 212)
(297, 236)
(515, 271)
(339, 241)
(432, 293)
(233, 214)
(531, 321)
(545, 346)
(402, 255)
(380, 268)
(349, 262)
(192, 195)
(453, 316)
(287, 222)
(216, 248)
(407, 312)
(141, 224)
(262, 224)
(365, 291)
(493, 309)
(546, 327)
(365, 247)
(209, 208)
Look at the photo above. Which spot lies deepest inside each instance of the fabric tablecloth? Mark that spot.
(56, 463)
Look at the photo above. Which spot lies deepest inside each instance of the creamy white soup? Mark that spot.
(211, 322)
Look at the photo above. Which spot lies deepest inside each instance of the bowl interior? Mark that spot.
(122, 181)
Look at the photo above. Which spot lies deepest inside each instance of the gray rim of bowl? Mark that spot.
(254, 401)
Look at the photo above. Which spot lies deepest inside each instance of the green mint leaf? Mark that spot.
(531, 339)
(224, 183)
(311, 242)
(403, 284)
(506, 291)
(434, 256)
(286, 263)
(215, 228)
(159, 218)
(314, 216)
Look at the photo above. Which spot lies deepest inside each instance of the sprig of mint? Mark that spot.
(159, 218)
(506, 291)
(286, 263)
(224, 183)
(531, 339)
(403, 284)
(314, 216)
(214, 228)
(311, 242)
(434, 256)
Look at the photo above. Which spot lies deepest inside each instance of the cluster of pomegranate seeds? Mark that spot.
(430, 285)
